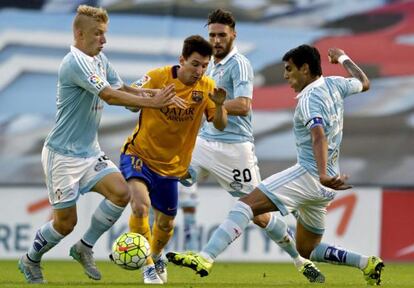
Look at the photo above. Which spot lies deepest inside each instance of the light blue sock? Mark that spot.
(190, 232)
(228, 231)
(276, 229)
(46, 238)
(337, 255)
(103, 218)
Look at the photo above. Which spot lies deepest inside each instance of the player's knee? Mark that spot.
(121, 197)
(140, 209)
(165, 225)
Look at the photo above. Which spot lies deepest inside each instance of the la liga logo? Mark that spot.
(96, 81)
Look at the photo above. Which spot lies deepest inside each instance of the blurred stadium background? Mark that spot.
(378, 148)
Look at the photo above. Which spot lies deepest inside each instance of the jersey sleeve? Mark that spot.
(242, 75)
(311, 109)
(82, 74)
(347, 86)
(113, 77)
(149, 80)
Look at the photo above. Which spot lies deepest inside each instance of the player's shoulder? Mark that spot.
(239, 59)
(334, 79)
(160, 72)
(208, 82)
(239, 64)
(69, 63)
(154, 77)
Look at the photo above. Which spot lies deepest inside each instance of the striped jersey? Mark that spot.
(324, 99)
(164, 138)
(81, 78)
(235, 74)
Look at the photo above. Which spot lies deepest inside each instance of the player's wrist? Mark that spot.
(343, 58)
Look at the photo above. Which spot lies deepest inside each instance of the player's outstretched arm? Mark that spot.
(220, 117)
(147, 92)
(337, 55)
(163, 98)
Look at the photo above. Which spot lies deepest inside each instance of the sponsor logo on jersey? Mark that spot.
(197, 96)
(178, 114)
(96, 81)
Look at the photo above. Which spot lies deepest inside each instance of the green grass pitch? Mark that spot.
(224, 275)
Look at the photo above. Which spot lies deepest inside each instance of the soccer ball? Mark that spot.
(130, 251)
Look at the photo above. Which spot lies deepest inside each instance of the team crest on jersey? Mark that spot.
(141, 81)
(96, 81)
(197, 96)
(100, 166)
(236, 185)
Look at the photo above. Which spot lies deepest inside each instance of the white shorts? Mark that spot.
(68, 177)
(296, 190)
(233, 165)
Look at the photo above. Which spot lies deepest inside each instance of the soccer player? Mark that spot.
(308, 187)
(72, 160)
(228, 155)
(158, 152)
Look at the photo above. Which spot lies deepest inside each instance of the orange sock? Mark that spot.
(141, 226)
(159, 240)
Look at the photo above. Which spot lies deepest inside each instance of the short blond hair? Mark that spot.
(97, 13)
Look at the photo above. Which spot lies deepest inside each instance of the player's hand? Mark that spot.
(337, 182)
(179, 102)
(333, 54)
(218, 96)
(164, 97)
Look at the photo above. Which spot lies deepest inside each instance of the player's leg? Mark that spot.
(277, 230)
(310, 245)
(188, 196)
(164, 201)
(188, 201)
(62, 176)
(237, 220)
(139, 179)
(140, 205)
(104, 177)
(236, 170)
(48, 236)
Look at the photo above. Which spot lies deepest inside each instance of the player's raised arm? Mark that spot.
(220, 117)
(117, 97)
(337, 55)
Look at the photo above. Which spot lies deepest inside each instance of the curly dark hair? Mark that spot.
(222, 17)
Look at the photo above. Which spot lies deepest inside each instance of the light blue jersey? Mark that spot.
(324, 99)
(79, 108)
(235, 74)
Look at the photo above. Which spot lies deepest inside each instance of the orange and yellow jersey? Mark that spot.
(164, 138)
